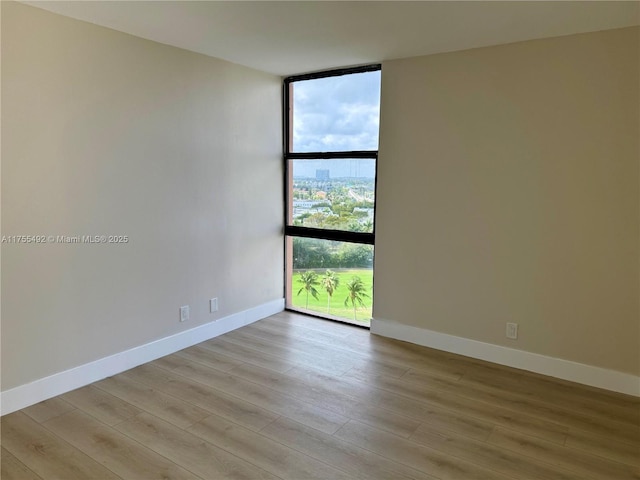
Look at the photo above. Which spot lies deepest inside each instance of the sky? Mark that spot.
(337, 113)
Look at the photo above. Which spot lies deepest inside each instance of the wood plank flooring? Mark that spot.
(298, 398)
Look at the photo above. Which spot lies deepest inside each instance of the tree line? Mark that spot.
(316, 253)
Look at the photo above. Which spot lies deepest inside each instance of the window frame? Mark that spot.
(291, 231)
(320, 233)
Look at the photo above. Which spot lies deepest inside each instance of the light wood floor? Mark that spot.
(292, 397)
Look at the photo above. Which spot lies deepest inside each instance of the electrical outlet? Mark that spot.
(184, 313)
(512, 330)
(213, 305)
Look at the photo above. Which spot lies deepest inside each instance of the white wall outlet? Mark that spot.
(213, 305)
(512, 330)
(184, 313)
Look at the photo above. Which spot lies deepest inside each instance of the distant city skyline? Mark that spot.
(323, 175)
(351, 168)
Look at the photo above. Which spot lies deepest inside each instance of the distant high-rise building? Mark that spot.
(322, 175)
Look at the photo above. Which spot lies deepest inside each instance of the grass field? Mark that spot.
(337, 307)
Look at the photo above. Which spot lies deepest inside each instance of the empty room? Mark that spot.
(296, 240)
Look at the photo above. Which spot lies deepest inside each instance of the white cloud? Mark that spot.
(337, 113)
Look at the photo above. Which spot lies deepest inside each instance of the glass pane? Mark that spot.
(336, 114)
(334, 279)
(332, 194)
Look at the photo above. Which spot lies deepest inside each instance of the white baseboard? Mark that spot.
(59, 383)
(533, 362)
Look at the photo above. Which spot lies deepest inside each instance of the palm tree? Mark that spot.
(309, 281)
(356, 290)
(330, 283)
(367, 226)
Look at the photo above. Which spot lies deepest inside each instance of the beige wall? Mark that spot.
(105, 133)
(508, 192)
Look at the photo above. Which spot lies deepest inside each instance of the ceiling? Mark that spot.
(290, 37)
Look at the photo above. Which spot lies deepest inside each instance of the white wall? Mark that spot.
(105, 133)
(508, 191)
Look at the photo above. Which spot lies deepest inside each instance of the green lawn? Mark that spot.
(337, 308)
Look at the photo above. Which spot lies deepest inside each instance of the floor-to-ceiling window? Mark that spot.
(331, 151)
